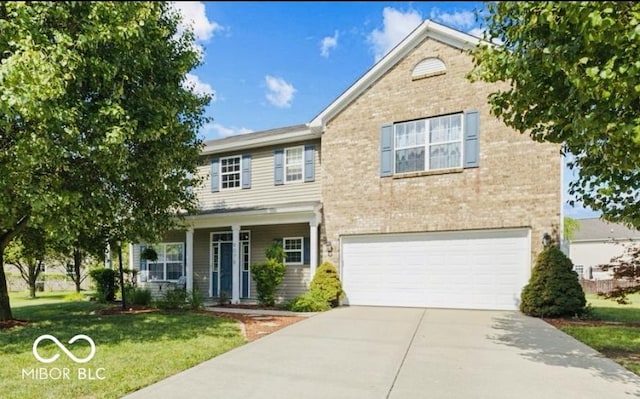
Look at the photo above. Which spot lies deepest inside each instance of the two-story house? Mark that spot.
(406, 183)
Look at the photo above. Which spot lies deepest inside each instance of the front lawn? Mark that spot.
(614, 332)
(132, 350)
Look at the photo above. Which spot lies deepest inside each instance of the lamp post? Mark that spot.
(122, 290)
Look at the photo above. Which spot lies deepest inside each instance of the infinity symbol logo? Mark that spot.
(64, 349)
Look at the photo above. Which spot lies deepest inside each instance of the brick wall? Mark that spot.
(516, 185)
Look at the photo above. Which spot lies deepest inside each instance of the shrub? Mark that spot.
(224, 298)
(106, 283)
(553, 289)
(74, 296)
(138, 296)
(173, 299)
(311, 301)
(195, 299)
(268, 276)
(275, 251)
(327, 284)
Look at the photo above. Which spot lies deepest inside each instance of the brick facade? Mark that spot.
(517, 183)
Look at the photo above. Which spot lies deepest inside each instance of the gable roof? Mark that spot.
(427, 29)
(596, 229)
(281, 135)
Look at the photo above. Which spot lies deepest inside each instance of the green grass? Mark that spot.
(608, 310)
(620, 343)
(133, 351)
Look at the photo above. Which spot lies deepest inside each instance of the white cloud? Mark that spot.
(219, 131)
(280, 92)
(196, 85)
(327, 44)
(194, 15)
(457, 19)
(396, 26)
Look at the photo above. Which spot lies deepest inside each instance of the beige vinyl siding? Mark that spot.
(172, 236)
(263, 191)
(201, 259)
(297, 278)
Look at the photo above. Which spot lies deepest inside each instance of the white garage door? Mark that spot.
(470, 270)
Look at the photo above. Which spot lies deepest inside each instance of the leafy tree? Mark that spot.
(97, 129)
(570, 227)
(625, 267)
(572, 76)
(76, 270)
(553, 289)
(27, 253)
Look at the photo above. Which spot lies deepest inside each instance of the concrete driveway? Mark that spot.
(377, 352)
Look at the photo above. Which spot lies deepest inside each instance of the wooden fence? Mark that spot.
(596, 286)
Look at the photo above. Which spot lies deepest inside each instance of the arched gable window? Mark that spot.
(431, 66)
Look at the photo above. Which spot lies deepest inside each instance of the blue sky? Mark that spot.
(276, 64)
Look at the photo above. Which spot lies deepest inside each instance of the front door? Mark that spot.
(226, 274)
(222, 265)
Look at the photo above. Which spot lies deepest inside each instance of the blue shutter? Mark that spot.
(278, 167)
(471, 136)
(143, 264)
(215, 175)
(386, 150)
(306, 250)
(246, 171)
(309, 163)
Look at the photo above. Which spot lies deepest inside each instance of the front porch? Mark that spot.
(218, 248)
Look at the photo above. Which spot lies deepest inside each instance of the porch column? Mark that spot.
(107, 257)
(189, 254)
(313, 250)
(131, 265)
(235, 265)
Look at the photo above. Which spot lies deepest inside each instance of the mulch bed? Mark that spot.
(134, 309)
(588, 323)
(247, 306)
(254, 326)
(258, 326)
(12, 323)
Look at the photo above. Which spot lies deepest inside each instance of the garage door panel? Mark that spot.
(484, 270)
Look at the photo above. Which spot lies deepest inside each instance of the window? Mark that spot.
(170, 263)
(293, 250)
(579, 269)
(428, 67)
(428, 144)
(294, 161)
(230, 172)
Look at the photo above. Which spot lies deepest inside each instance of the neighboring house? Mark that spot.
(405, 182)
(595, 243)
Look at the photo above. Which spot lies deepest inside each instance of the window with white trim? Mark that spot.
(293, 249)
(428, 144)
(293, 164)
(230, 172)
(168, 266)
